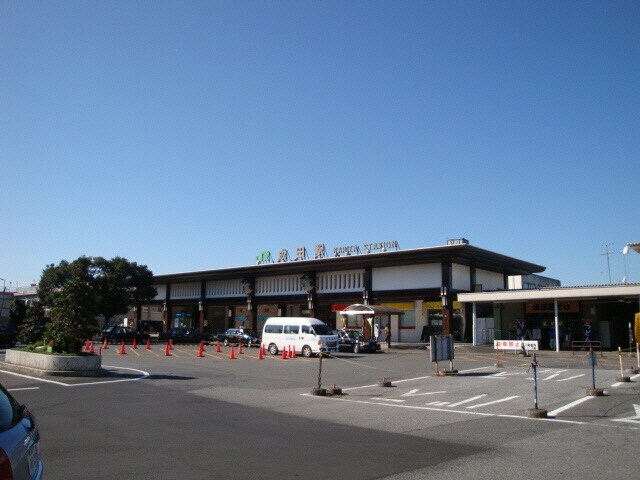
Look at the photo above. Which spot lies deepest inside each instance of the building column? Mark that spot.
(202, 304)
(473, 323)
(557, 322)
(166, 309)
(446, 299)
(229, 320)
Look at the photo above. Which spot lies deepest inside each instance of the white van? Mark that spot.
(306, 335)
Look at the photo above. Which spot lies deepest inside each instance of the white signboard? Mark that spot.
(515, 344)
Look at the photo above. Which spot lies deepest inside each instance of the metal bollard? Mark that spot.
(535, 412)
(593, 361)
(319, 391)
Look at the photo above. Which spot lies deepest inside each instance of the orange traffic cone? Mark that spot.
(290, 352)
(135, 344)
(106, 345)
(232, 354)
(218, 346)
(284, 353)
(148, 343)
(260, 354)
(86, 345)
(293, 352)
(122, 351)
(201, 350)
(240, 352)
(167, 353)
(91, 350)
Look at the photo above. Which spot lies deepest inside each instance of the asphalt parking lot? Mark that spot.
(181, 416)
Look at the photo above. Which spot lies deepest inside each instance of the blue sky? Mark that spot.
(193, 135)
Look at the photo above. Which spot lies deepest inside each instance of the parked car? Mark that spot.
(239, 335)
(7, 336)
(19, 437)
(352, 341)
(118, 334)
(181, 335)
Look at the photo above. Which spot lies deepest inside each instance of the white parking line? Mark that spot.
(414, 393)
(144, 375)
(570, 378)
(375, 384)
(493, 402)
(435, 409)
(24, 388)
(555, 412)
(387, 400)
(468, 400)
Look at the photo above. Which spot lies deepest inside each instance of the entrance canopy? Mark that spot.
(359, 309)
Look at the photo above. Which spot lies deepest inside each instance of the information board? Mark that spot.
(441, 347)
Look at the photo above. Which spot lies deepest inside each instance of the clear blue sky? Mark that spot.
(193, 135)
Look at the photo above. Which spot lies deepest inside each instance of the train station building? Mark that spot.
(423, 283)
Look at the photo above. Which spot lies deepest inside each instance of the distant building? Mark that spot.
(28, 294)
(530, 282)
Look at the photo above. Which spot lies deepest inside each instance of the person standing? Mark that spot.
(387, 332)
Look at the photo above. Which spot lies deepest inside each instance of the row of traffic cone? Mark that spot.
(291, 353)
(201, 350)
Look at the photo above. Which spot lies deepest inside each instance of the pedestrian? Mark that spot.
(388, 334)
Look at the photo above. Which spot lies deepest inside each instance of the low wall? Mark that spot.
(55, 365)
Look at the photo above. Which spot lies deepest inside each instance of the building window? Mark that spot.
(408, 320)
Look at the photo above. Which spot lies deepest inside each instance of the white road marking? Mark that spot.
(555, 412)
(493, 402)
(435, 409)
(375, 385)
(438, 404)
(414, 393)
(24, 388)
(387, 400)
(468, 400)
(634, 419)
(504, 374)
(571, 378)
(144, 375)
(556, 374)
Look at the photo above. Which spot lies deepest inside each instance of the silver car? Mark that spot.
(19, 436)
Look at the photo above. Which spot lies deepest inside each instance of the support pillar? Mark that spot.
(557, 323)
(473, 323)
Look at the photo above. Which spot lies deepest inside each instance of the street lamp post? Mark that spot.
(4, 289)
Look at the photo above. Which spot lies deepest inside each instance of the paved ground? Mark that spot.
(187, 417)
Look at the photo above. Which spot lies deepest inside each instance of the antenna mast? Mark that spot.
(608, 254)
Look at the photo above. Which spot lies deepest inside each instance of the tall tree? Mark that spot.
(78, 291)
(121, 284)
(73, 317)
(32, 329)
(17, 313)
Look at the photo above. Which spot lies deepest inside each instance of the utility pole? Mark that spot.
(608, 254)
(4, 290)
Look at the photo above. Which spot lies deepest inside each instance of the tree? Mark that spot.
(17, 313)
(33, 326)
(72, 317)
(121, 284)
(78, 291)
